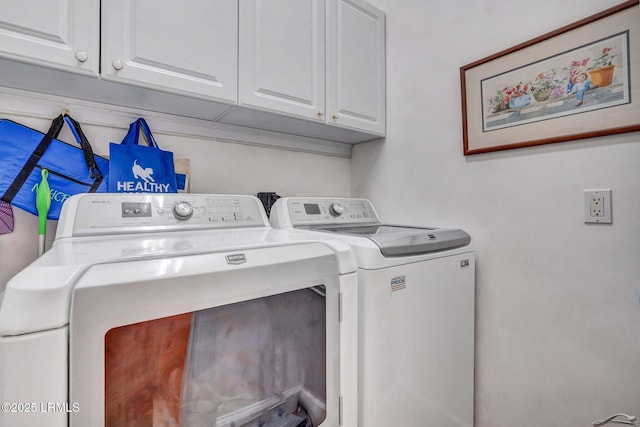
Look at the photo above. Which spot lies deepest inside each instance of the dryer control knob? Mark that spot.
(336, 209)
(182, 210)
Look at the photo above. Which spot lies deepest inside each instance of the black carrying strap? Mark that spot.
(94, 170)
(36, 155)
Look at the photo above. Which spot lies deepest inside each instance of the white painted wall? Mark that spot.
(558, 316)
(558, 319)
(216, 167)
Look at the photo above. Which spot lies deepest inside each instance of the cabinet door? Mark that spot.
(63, 34)
(181, 47)
(356, 64)
(281, 62)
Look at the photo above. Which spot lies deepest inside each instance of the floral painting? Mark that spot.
(586, 78)
(579, 81)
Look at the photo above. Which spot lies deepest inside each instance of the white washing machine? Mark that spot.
(167, 310)
(416, 291)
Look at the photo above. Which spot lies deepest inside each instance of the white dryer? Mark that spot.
(416, 292)
(167, 310)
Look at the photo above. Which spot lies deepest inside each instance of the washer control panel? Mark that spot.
(322, 211)
(118, 213)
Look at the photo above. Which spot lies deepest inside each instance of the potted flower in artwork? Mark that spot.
(601, 69)
(511, 96)
(518, 95)
(544, 84)
(497, 102)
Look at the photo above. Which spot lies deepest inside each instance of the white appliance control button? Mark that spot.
(336, 209)
(182, 210)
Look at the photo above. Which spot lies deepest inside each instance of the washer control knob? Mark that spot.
(336, 209)
(183, 210)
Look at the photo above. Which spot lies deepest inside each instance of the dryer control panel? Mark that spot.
(117, 213)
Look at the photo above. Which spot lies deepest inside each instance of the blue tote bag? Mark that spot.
(24, 152)
(135, 168)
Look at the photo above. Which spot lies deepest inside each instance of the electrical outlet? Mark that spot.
(597, 206)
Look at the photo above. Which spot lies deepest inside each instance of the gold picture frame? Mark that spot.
(579, 81)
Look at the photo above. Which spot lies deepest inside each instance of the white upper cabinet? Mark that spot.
(312, 68)
(60, 34)
(322, 60)
(282, 56)
(182, 47)
(356, 64)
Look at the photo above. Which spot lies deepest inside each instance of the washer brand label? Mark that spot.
(236, 259)
(464, 263)
(398, 283)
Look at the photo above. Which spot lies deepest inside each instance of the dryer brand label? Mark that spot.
(236, 259)
(398, 283)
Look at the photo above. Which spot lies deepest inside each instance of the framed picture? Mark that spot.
(580, 81)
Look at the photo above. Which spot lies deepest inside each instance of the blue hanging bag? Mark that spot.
(24, 152)
(135, 168)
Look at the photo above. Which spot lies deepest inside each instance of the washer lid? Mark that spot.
(398, 240)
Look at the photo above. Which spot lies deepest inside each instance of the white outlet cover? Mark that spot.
(605, 214)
